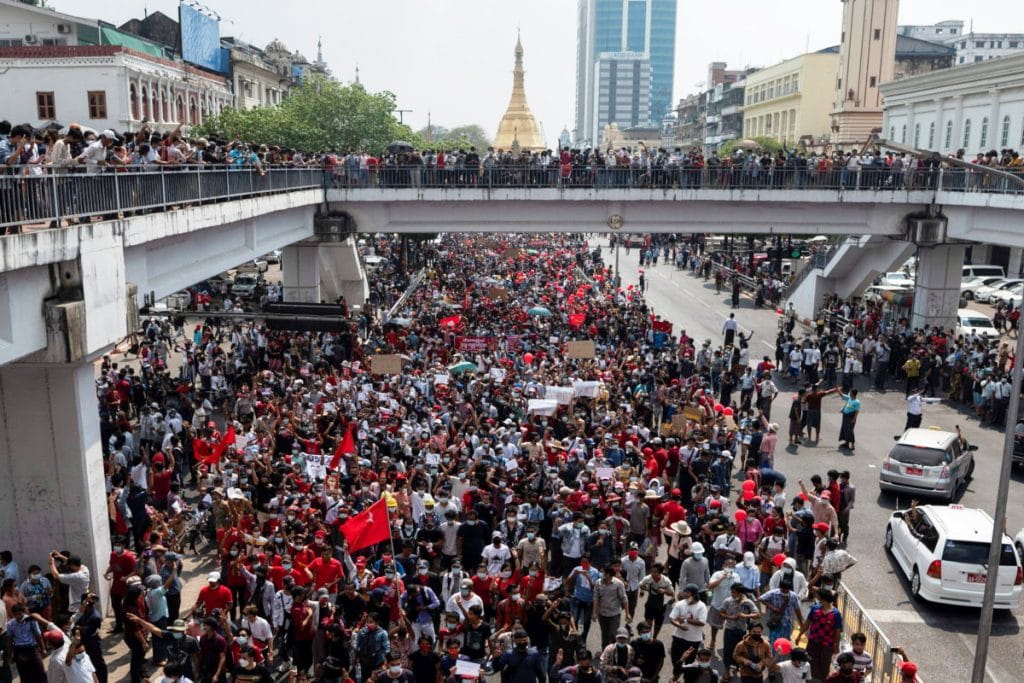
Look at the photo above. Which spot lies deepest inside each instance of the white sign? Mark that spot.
(316, 466)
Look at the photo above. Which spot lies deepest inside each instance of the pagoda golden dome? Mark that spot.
(518, 128)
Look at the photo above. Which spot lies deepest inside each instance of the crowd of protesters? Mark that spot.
(673, 168)
(550, 508)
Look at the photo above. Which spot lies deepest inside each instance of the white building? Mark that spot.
(970, 47)
(106, 86)
(976, 107)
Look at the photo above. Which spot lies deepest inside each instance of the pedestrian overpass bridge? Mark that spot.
(68, 294)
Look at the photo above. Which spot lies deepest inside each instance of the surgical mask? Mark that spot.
(278, 539)
(241, 640)
(299, 548)
(118, 548)
(233, 553)
(178, 636)
(704, 665)
(80, 656)
(389, 575)
(423, 571)
(506, 574)
(530, 535)
(395, 670)
(482, 575)
(533, 572)
(35, 577)
(243, 663)
(464, 592)
(287, 566)
(646, 636)
(697, 556)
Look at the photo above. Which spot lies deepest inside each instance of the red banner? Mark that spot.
(473, 343)
(367, 528)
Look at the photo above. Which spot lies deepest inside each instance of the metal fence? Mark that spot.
(878, 646)
(54, 196)
(877, 179)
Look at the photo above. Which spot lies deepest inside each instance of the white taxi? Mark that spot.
(943, 551)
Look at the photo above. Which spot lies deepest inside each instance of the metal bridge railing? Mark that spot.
(878, 646)
(55, 195)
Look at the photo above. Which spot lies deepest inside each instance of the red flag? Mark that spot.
(451, 321)
(662, 326)
(347, 446)
(210, 454)
(368, 527)
(576, 319)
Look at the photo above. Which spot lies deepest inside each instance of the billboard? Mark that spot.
(200, 39)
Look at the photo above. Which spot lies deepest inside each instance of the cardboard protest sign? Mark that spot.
(580, 349)
(386, 364)
(691, 413)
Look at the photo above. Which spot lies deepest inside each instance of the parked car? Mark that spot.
(983, 293)
(927, 462)
(273, 256)
(982, 270)
(896, 279)
(1007, 294)
(244, 285)
(257, 265)
(970, 285)
(968, 321)
(943, 551)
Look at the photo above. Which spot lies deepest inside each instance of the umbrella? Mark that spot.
(464, 366)
(818, 238)
(401, 322)
(748, 144)
(399, 146)
(539, 311)
(532, 252)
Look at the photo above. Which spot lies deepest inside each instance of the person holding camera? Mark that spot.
(76, 578)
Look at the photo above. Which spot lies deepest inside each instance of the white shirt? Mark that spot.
(78, 585)
(792, 672)
(94, 155)
(684, 610)
(80, 671)
(495, 557)
(259, 628)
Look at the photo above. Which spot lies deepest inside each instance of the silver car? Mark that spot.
(927, 462)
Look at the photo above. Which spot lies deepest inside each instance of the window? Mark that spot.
(952, 31)
(1014, 43)
(979, 58)
(984, 132)
(878, 34)
(872, 81)
(10, 43)
(931, 135)
(949, 135)
(842, 37)
(892, 132)
(796, 83)
(839, 84)
(979, 43)
(45, 109)
(967, 135)
(938, 30)
(51, 42)
(903, 134)
(97, 104)
(917, 135)
(962, 60)
(963, 45)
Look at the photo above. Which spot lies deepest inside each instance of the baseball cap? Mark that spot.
(213, 577)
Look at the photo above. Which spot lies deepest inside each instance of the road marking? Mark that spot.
(768, 344)
(895, 616)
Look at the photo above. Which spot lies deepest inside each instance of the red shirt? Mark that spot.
(121, 567)
(214, 598)
(162, 484)
(671, 512)
(325, 571)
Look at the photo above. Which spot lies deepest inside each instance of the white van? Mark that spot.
(943, 550)
(968, 320)
(980, 270)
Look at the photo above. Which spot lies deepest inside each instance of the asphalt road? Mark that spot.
(940, 639)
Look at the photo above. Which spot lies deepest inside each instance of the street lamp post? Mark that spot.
(998, 519)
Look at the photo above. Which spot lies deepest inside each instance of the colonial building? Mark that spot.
(791, 100)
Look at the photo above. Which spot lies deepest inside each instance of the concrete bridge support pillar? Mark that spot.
(937, 295)
(51, 466)
(300, 272)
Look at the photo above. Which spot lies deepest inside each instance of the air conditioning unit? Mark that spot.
(30, 39)
(927, 231)
(63, 28)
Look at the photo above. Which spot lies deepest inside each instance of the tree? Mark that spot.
(319, 115)
(460, 137)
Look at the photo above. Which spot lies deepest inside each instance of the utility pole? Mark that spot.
(401, 114)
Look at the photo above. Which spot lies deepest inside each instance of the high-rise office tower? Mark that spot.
(625, 60)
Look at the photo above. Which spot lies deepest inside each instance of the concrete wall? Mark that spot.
(51, 463)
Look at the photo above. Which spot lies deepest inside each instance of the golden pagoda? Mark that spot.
(518, 129)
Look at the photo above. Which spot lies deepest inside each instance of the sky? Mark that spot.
(452, 59)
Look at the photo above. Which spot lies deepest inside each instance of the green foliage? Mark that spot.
(767, 144)
(460, 137)
(319, 115)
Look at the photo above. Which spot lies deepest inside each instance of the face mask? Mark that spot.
(233, 553)
(530, 535)
(35, 577)
(464, 592)
(697, 556)
(645, 636)
(395, 670)
(577, 525)
(533, 573)
(389, 575)
(243, 663)
(179, 636)
(511, 519)
(506, 574)
(241, 640)
(482, 575)
(422, 571)
(278, 539)
(118, 549)
(299, 548)
(633, 554)
(287, 567)
(704, 665)
(80, 656)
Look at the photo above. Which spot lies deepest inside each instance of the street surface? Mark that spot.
(939, 638)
